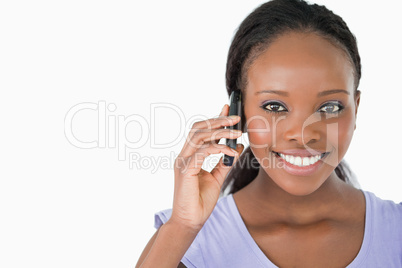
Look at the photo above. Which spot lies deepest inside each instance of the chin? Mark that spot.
(300, 192)
(302, 188)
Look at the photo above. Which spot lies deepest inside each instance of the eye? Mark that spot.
(274, 107)
(331, 108)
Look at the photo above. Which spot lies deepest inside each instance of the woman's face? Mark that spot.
(301, 110)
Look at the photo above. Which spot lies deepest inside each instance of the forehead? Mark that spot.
(302, 62)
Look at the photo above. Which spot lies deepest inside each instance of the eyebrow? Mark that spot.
(279, 92)
(332, 91)
(320, 94)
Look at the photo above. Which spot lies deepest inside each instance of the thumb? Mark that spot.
(221, 170)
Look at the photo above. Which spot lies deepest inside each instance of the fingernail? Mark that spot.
(234, 116)
(223, 108)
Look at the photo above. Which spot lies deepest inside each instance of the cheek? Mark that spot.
(346, 131)
(339, 134)
(259, 131)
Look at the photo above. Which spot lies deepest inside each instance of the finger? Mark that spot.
(224, 110)
(202, 137)
(221, 170)
(222, 120)
(218, 122)
(196, 160)
(214, 123)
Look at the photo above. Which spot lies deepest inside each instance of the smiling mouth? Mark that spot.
(299, 160)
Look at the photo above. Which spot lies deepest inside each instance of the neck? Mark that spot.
(272, 202)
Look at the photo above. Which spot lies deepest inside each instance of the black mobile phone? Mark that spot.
(235, 109)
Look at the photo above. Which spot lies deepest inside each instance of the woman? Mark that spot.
(290, 201)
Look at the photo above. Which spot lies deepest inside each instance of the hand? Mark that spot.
(196, 191)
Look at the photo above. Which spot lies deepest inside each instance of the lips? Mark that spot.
(301, 162)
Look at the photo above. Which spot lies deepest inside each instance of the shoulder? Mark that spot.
(385, 210)
(222, 213)
(384, 215)
(220, 242)
(382, 244)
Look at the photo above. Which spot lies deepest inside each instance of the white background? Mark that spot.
(64, 206)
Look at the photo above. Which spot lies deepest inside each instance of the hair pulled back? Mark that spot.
(254, 35)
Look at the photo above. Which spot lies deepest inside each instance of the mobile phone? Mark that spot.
(235, 109)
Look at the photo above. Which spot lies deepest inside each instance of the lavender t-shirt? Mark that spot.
(224, 240)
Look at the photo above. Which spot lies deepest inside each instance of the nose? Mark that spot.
(303, 130)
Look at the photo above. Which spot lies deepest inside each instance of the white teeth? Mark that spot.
(292, 159)
(300, 161)
(306, 161)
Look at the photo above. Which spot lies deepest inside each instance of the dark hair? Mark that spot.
(254, 35)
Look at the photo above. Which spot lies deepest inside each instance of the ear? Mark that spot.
(357, 102)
